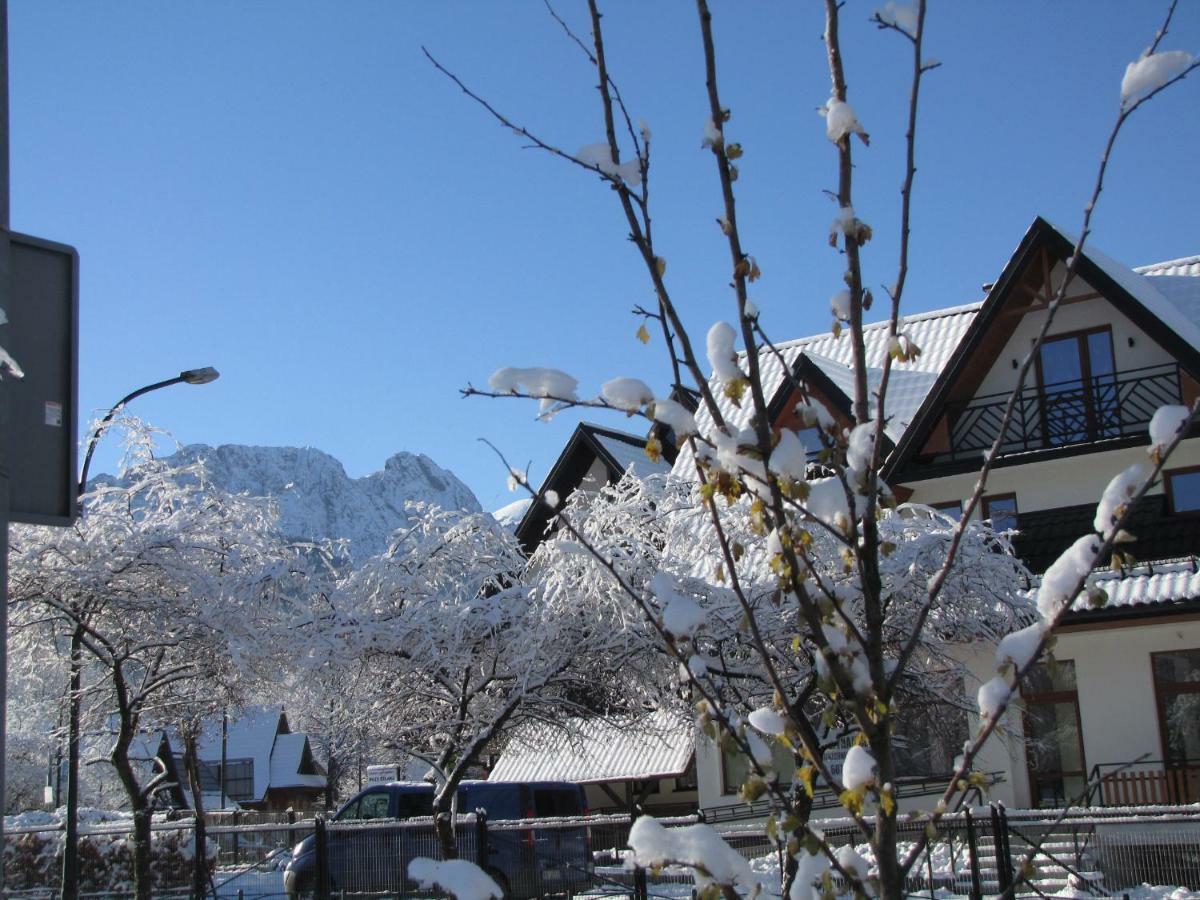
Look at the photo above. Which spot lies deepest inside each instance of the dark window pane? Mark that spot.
(1185, 491)
(374, 805)
(1100, 353)
(1002, 511)
(928, 737)
(951, 508)
(1045, 678)
(414, 804)
(1179, 668)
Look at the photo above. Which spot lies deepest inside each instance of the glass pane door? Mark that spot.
(1079, 388)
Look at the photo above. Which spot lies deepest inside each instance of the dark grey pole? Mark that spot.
(5, 282)
(70, 869)
(224, 746)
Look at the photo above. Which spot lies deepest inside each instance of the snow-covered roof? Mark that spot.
(1151, 583)
(937, 333)
(659, 745)
(511, 514)
(286, 760)
(1144, 290)
(629, 452)
(1187, 265)
(250, 735)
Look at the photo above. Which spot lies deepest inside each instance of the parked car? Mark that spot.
(377, 832)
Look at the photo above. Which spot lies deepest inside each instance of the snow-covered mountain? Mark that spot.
(317, 499)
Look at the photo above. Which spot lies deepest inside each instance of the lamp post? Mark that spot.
(70, 874)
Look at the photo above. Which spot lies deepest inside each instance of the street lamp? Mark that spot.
(190, 376)
(70, 875)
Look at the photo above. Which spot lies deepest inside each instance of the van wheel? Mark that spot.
(502, 882)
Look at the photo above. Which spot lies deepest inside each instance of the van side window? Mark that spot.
(413, 804)
(374, 805)
(349, 812)
(554, 803)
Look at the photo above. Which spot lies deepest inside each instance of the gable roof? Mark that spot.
(250, 735)
(616, 450)
(592, 751)
(1167, 320)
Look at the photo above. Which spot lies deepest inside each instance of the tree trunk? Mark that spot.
(200, 873)
(141, 852)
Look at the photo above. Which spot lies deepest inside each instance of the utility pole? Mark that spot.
(5, 422)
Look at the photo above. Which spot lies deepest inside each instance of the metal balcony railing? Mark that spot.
(1067, 412)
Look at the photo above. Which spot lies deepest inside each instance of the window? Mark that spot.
(1001, 509)
(1177, 687)
(735, 768)
(951, 508)
(928, 737)
(239, 779)
(414, 804)
(374, 805)
(687, 781)
(1077, 375)
(1183, 490)
(1053, 739)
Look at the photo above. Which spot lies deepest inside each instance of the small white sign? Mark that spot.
(54, 413)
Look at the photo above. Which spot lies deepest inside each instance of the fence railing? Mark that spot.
(1143, 782)
(1065, 413)
(982, 851)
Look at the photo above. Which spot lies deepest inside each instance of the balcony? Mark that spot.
(1066, 413)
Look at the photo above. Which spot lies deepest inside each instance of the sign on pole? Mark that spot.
(42, 409)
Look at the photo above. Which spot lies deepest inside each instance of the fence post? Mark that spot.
(1004, 867)
(235, 838)
(481, 839)
(640, 890)
(321, 848)
(291, 832)
(973, 857)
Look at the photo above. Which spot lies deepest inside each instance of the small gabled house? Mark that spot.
(592, 458)
(266, 765)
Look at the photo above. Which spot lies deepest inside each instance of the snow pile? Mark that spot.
(1151, 72)
(899, 15)
(1118, 492)
(600, 156)
(553, 386)
(674, 415)
(696, 846)
(1018, 648)
(840, 120)
(626, 394)
(789, 459)
(721, 353)
(1165, 424)
(465, 880)
(1057, 589)
(681, 615)
(768, 720)
(993, 696)
(809, 869)
(858, 768)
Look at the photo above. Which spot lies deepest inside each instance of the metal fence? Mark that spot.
(985, 851)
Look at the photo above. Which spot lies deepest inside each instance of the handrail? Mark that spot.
(1065, 413)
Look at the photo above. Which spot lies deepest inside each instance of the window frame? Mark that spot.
(1092, 427)
(1028, 698)
(946, 505)
(1169, 488)
(986, 507)
(1160, 697)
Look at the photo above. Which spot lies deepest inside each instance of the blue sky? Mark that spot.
(289, 192)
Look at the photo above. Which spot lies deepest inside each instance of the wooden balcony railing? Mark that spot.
(1146, 783)
(1067, 413)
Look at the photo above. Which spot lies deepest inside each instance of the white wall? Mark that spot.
(1052, 483)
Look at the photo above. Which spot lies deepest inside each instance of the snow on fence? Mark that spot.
(979, 852)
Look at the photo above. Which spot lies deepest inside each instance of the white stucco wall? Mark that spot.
(1052, 483)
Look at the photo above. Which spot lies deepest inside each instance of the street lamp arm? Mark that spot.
(191, 376)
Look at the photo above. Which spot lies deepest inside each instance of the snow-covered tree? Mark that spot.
(863, 584)
(175, 589)
(454, 645)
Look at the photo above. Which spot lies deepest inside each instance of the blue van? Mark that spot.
(367, 856)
